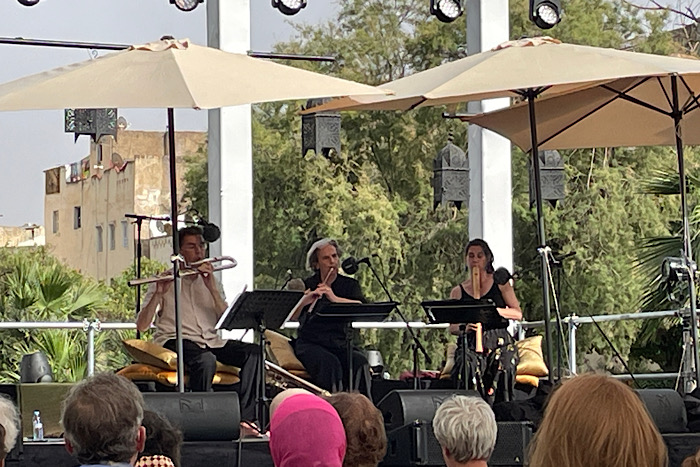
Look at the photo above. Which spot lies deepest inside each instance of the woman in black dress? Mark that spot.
(492, 373)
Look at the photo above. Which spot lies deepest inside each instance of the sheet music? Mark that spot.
(230, 307)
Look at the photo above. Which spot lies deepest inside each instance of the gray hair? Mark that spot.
(312, 254)
(101, 417)
(9, 419)
(466, 427)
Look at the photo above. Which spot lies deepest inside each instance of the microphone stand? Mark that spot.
(416, 346)
(138, 254)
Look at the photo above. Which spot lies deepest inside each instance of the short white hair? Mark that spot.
(466, 427)
(9, 419)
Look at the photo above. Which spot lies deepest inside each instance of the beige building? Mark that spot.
(25, 235)
(85, 202)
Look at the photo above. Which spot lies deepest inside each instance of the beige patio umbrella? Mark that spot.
(171, 74)
(535, 68)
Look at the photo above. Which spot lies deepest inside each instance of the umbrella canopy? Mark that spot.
(171, 74)
(509, 69)
(625, 112)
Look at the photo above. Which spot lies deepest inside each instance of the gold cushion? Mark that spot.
(527, 379)
(143, 372)
(450, 350)
(157, 356)
(531, 358)
(281, 351)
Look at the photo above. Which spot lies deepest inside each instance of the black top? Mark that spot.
(494, 294)
(327, 331)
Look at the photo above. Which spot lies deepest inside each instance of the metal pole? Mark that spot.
(90, 328)
(543, 249)
(572, 344)
(687, 248)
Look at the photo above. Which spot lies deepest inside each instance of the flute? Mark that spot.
(328, 276)
(476, 291)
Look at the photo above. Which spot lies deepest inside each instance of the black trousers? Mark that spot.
(201, 367)
(328, 366)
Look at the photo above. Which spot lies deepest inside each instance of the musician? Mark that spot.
(321, 342)
(496, 373)
(201, 304)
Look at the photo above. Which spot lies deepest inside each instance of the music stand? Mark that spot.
(350, 312)
(462, 312)
(260, 309)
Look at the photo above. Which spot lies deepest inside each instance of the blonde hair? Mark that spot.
(466, 427)
(594, 419)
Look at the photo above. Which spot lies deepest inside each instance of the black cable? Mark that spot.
(605, 336)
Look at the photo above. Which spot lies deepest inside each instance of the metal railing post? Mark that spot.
(91, 328)
(572, 343)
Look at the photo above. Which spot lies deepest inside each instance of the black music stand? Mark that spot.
(350, 312)
(261, 310)
(463, 312)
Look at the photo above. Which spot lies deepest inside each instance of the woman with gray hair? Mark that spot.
(321, 342)
(9, 427)
(466, 429)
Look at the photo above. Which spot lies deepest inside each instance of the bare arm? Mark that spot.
(455, 293)
(512, 309)
(148, 311)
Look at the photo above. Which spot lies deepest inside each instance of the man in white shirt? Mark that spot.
(201, 304)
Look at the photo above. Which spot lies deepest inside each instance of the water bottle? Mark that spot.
(38, 427)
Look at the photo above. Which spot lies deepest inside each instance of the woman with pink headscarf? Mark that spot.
(305, 431)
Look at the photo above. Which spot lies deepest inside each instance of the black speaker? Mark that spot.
(413, 444)
(201, 416)
(666, 408)
(512, 443)
(403, 406)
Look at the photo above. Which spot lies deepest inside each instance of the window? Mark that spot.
(55, 222)
(99, 154)
(98, 234)
(112, 235)
(76, 217)
(125, 234)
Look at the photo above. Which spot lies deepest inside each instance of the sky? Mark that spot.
(33, 141)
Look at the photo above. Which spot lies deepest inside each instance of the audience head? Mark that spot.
(9, 427)
(306, 431)
(364, 429)
(594, 419)
(466, 429)
(102, 420)
(162, 439)
(692, 461)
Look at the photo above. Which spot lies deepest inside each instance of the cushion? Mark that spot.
(450, 350)
(527, 379)
(531, 357)
(143, 372)
(157, 356)
(281, 351)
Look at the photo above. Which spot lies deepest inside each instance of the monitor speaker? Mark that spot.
(666, 408)
(403, 406)
(201, 416)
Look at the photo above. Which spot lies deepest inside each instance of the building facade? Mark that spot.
(85, 202)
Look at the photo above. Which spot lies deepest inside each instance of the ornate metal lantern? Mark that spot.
(450, 176)
(92, 122)
(552, 177)
(320, 131)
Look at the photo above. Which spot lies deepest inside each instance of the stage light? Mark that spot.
(545, 13)
(186, 5)
(446, 10)
(28, 2)
(289, 7)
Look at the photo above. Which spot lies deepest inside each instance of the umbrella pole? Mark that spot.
(687, 248)
(542, 249)
(176, 252)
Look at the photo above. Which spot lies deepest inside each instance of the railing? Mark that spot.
(572, 322)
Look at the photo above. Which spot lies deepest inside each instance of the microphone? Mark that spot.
(286, 281)
(210, 232)
(350, 265)
(501, 276)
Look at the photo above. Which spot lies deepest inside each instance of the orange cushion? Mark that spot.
(527, 379)
(157, 356)
(281, 351)
(143, 372)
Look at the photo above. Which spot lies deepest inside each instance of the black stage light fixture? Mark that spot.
(289, 7)
(545, 13)
(186, 5)
(446, 10)
(28, 2)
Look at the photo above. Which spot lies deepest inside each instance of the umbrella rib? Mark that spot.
(575, 122)
(668, 98)
(692, 98)
(634, 100)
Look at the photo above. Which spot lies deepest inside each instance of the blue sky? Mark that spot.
(31, 142)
